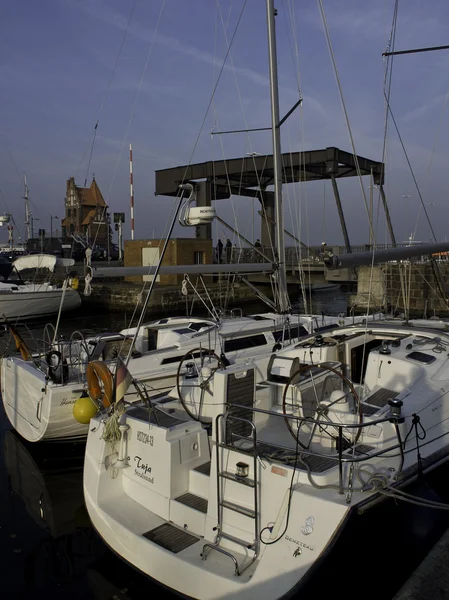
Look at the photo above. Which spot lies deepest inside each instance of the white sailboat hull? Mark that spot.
(244, 509)
(49, 415)
(118, 499)
(36, 304)
(40, 409)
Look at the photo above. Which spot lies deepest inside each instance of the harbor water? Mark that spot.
(49, 550)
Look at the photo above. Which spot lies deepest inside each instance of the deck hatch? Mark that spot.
(171, 538)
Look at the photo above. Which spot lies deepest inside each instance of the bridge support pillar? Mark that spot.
(340, 214)
(387, 215)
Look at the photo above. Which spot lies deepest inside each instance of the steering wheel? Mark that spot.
(198, 359)
(321, 410)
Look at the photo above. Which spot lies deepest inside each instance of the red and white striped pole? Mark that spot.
(131, 189)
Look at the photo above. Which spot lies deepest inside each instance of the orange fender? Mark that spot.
(97, 373)
(20, 344)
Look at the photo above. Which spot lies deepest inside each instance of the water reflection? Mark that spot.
(47, 539)
(47, 544)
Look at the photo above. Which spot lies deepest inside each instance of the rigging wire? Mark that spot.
(388, 75)
(228, 53)
(423, 206)
(204, 117)
(293, 39)
(345, 112)
(387, 95)
(150, 51)
(94, 134)
(439, 127)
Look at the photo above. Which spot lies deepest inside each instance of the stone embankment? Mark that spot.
(118, 295)
(421, 287)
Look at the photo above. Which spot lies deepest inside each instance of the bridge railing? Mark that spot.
(312, 255)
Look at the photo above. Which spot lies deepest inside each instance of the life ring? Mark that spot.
(97, 373)
(62, 366)
(20, 344)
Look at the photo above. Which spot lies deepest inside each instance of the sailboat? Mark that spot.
(24, 300)
(40, 390)
(238, 483)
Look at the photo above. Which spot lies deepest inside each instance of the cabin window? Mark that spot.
(198, 326)
(245, 342)
(174, 359)
(289, 334)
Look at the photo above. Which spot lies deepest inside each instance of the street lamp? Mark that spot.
(51, 225)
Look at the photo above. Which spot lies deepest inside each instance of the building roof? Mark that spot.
(91, 196)
(89, 217)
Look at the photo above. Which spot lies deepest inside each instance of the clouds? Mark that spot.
(58, 56)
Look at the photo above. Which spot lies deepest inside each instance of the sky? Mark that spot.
(146, 71)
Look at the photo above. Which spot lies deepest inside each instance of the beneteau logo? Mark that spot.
(142, 469)
(299, 544)
(307, 529)
(145, 438)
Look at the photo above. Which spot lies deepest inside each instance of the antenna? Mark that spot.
(27, 208)
(131, 189)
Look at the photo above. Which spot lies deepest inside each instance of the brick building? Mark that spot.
(86, 213)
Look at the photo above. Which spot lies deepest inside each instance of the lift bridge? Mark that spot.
(250, 176)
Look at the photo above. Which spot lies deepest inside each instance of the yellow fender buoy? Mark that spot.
(84, 409)
(74, 282)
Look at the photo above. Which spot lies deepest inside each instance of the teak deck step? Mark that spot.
(193, 501)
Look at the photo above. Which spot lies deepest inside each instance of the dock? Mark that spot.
(431, 578)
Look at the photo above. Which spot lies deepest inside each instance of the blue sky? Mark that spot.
(56, 61)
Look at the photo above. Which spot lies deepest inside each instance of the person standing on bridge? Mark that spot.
(219, 250)
(228, 250)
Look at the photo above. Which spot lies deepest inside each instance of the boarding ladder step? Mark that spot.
(243, 510)
(236, 540)
(224, 430)
(243, 480)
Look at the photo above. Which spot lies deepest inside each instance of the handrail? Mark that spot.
(339, 458)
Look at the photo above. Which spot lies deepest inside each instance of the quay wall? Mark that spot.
(420, 286)
(119, 295)
(431, 578)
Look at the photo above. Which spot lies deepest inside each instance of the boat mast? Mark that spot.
(283, 299)
(131, 189)
(27, 208)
